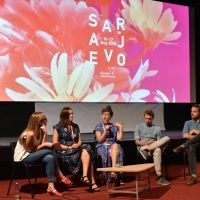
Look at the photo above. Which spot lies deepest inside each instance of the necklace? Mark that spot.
(72, 132)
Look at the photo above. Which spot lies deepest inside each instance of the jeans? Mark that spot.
(194, 140)
(192, 158)
(47, 156)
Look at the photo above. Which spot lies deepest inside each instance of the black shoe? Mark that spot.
(94, 189)
(85, 180)
(117, 182)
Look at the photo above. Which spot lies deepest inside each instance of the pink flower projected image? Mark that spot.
(126, 50)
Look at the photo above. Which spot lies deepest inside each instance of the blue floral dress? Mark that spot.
(72, 157)
(104, 147)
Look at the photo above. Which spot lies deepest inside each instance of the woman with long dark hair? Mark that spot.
(75, 154)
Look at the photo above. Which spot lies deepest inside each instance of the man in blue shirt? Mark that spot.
(149, 142)
(191, 131)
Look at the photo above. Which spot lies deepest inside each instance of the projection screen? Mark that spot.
(94, 51)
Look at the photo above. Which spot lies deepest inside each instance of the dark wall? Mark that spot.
(14, 117)
(176, 114)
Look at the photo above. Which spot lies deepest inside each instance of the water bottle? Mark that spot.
(117, 160)
(16, 196)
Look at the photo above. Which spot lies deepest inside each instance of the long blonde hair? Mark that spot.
(33, 124)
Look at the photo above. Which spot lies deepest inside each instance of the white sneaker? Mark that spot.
(143, 154)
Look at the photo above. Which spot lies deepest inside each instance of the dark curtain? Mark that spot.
(14, 117)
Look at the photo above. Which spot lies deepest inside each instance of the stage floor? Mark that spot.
(89, 137)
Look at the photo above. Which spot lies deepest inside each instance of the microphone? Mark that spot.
(107, 123)
(150, 125)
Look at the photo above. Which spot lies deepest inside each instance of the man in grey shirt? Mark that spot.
(191, 131)
(149, 142)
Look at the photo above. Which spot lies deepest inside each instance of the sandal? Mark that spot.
(113, 176)
(54, 192)
(84, 179)
(66, 181)
(95, 189)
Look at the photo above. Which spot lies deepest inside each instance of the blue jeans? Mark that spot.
(47, 156)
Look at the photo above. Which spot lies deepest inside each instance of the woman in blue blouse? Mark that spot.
(107, 134)
(73, 153)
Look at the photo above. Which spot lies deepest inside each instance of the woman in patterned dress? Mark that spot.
(107, 134)
(75, 155)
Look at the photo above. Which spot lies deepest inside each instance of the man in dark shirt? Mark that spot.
(191, 131)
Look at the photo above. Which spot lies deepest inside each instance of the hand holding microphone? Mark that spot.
(107, 126)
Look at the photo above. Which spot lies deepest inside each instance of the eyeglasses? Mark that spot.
(43, 119)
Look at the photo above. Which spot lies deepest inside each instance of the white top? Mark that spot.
(20, 153)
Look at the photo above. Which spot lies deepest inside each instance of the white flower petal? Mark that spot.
(153, 10)
(141, 93)
(136, 12)
(48, 40)
(158, 99)
(174, 96)
(145, 66)
(163, 96)
(84, 80)
(39, 80)
(96, 86)
(110, 98)
(62, 73)
(151, 73)
(166, 22)
(172, 36)
(137, 77)
(17, 96)
(125, 96)
(73, 78)
(54, 73)
(100, 94)
(137, 100)
(140, 73)
(35, 88)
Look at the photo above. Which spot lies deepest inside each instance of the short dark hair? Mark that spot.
(197, 106)
(107, 109)
(149, 112)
